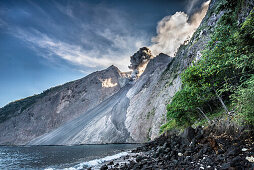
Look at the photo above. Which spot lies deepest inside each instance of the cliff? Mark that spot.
(107, 122)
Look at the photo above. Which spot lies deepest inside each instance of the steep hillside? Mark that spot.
(220, 83)
(147, 111)
(106, 123)
(23, 120)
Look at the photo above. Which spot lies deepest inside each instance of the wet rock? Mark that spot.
(167, 150)
(175, 162)
(104, 167)
(170, 153)
(139, 158)
(166, 157)
(232, 151)
(165, 145)
(187, 159)
(236, 161)
(225, 166)
(189, 133)
(187, 153)
(220, 151)
(193, 142)
(159, 150)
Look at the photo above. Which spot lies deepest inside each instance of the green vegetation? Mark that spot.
(168, 126)
(185, 106)
(243, 100)
(223, 77)
(17, 107)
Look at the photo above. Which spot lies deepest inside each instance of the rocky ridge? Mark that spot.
(108, 121)
(26, 119)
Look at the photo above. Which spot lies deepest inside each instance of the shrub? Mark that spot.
(243, 100)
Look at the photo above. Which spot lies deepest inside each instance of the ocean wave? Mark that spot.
(94, 162)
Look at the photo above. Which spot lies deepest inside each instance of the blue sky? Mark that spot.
(44, 43)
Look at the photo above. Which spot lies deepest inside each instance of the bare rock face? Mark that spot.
(147, 108)
(108, 122)
(29, 118)
(101, 124)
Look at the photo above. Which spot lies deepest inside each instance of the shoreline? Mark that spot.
(200, 148)
(77, 144)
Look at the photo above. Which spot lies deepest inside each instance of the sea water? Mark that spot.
(60, 157)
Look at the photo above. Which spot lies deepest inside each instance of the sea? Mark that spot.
(61, 157)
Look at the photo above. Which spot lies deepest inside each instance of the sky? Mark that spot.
(45, 43)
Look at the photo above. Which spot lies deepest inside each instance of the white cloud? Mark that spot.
(75, 54)
(105, 41)
(173, 30)
(121, 42)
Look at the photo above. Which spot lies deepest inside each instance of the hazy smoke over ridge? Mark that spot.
(173, 30)
(191, 5)
(139, 60)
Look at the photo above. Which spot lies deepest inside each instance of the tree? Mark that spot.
(187, 106)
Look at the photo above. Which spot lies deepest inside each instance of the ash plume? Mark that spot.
(139, 61)
(173, 30)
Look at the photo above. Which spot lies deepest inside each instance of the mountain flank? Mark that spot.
(210, 75)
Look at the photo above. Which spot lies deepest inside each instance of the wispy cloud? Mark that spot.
(88, 45)
(75, 54)
(2, 23)
(191, 5)
(173, 30)
(103, 38)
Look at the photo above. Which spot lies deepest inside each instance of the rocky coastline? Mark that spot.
(199, 148)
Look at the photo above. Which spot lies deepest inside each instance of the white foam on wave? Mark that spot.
(94, 162)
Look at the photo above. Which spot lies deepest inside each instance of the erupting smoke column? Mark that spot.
(139, 61)
(173, 30)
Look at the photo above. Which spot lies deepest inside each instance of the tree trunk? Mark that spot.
(221, 101)
(204, 115)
